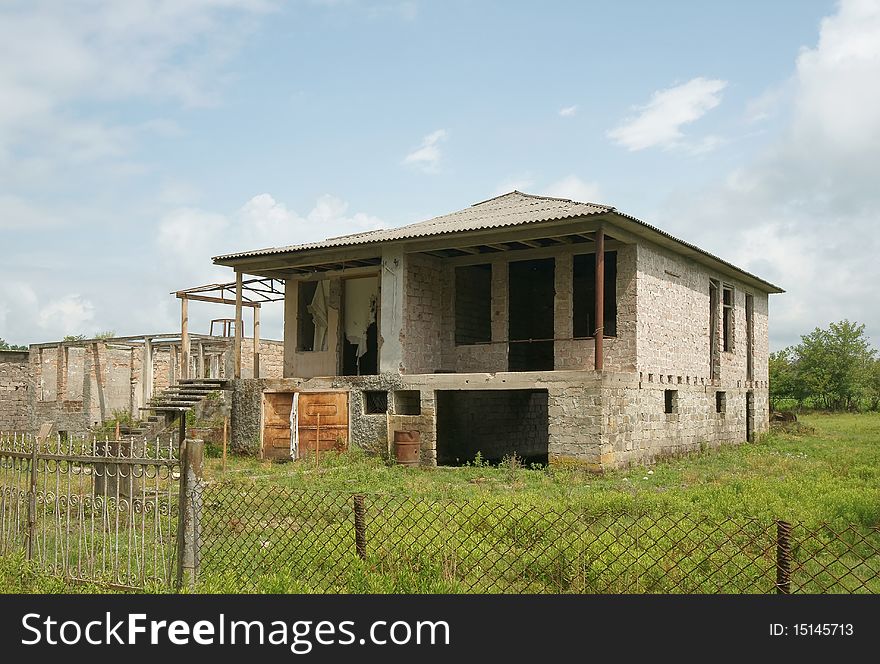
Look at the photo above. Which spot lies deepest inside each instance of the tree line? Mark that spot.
(835, 368)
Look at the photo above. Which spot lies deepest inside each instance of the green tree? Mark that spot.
(4, 345)
(833, 365)
(783, 378)
(74, 337)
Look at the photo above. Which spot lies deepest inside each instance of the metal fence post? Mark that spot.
(32, 502)
(783, 557)
(189, 512)
(360, 528)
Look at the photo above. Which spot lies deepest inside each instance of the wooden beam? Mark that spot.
(184, 338)
(532, 243)
(237, 342)
(219, 300)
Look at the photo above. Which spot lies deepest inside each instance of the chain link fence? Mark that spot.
(262, 537)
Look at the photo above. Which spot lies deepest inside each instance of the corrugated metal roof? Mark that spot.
(512, 209)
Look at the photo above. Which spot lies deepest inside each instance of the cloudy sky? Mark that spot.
(140, 138)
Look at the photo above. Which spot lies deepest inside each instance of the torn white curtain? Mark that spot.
(360, 310)
(318, 310)
(294, 427)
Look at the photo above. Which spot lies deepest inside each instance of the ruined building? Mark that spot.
(545, 327)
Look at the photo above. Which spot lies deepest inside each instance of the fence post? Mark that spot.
(32, 501)
(783, 557)
(189, 512)
(360, 528)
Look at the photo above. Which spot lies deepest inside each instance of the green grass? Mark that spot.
(831, 472)
(702, 523)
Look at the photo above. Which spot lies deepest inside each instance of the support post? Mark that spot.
(32, 501)
(184, 338)
(360, 528)
(190, 505)
(147, 372)
(201, 360)
(783, 557)
(256, 341)
(237, 343)
(600, 298)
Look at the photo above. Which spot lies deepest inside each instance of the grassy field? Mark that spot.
(827, 471)
(702, 523)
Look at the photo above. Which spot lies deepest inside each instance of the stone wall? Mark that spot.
(16, 390)
(673, 330)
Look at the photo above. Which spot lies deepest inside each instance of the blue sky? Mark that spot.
(138, 139)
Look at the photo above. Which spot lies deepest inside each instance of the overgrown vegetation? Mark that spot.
(832, 369)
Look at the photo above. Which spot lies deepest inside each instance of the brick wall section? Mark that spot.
(16, 390)
(423, 323)
(673, 325)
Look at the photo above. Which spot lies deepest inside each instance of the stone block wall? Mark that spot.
(16, 391)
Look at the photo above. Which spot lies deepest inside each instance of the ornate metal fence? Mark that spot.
(92, 510)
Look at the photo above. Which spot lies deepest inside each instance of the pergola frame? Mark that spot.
(241, 293)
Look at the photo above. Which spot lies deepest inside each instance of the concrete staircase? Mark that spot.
(172, 403)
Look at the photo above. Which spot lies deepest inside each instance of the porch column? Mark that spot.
(201, 361)
(256, 341)
(391, 310)
(600, 297)
(237, 343)
(184, 338)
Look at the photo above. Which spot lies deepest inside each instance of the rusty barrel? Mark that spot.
(407, 445)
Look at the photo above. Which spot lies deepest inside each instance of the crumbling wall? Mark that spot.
(16, 392)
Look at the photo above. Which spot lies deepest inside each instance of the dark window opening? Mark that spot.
(305, 323)
(670, 401)
(720, 402)
(407, 402)
(494, 424)
(375, 402)
(584, 295)
(368, 363)
(473, 304)
(727, 318)
(750, 416)
(532, 291)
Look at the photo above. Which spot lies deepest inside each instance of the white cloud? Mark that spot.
(568, 111)
(659, 122)
(55, 56)
(427, 155)
(574, 188)
(66, 315)
(804, 214)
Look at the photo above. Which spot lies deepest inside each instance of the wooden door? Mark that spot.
(323, 421)
(276, 425)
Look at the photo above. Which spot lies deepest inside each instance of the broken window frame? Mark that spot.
(727, 317)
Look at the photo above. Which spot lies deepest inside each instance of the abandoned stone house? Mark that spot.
(545, 327)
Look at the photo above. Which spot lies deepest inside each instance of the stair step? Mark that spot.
(203, 381)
